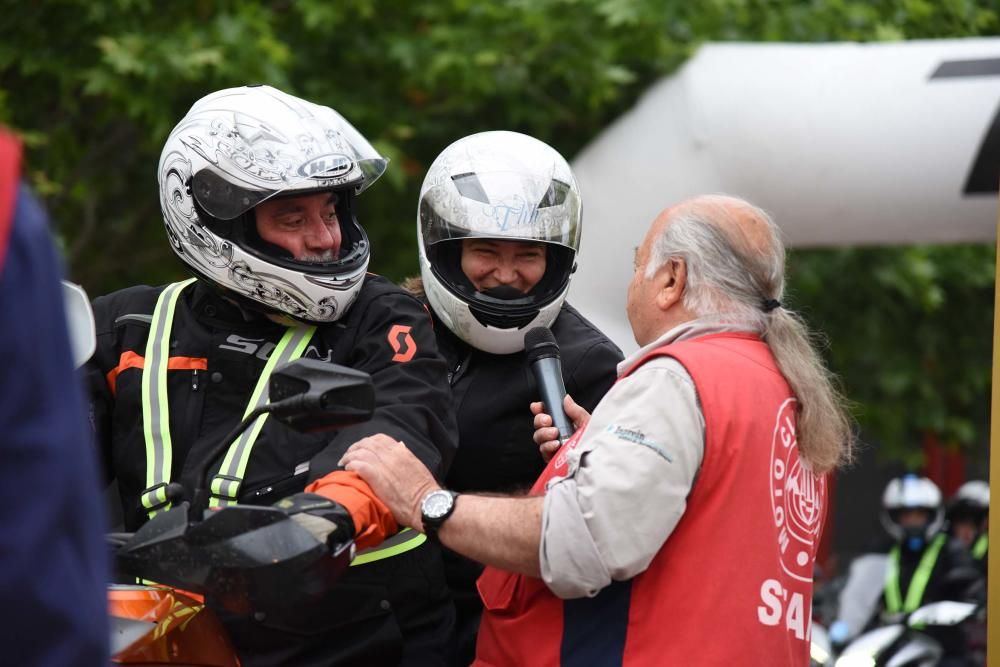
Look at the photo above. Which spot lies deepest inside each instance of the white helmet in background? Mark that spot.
(972, 501)
(238, 147)
(975, 493)
(911, 492)
(503, 186)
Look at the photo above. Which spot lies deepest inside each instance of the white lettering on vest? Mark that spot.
(769, 592)
(773, 597)
(796, 499)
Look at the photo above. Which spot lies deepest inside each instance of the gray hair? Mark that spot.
(729, 275)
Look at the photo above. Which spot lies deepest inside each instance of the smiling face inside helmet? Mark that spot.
(257, 189)
(499, 224)
(912, 511)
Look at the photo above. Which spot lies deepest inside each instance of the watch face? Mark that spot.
(437, 504)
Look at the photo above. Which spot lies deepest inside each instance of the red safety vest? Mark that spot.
(732, 585)
(10, 176)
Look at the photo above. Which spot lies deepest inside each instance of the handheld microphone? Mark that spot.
(543, 355)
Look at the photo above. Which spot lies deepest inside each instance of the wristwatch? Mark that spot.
(435, 508)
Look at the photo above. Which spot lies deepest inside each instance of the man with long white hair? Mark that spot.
(680, 524)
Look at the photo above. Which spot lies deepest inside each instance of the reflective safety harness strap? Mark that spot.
(980, 547)
(918, 584)
(225, 486)
(401, 542)
(155, 420)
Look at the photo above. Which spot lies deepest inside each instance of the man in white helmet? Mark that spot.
(499, 223)
(257, 190)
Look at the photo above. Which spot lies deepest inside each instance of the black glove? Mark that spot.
(327, 520)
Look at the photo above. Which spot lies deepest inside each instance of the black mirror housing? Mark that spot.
(310, 395)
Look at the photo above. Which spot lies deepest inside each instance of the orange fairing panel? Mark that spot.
(181, 631)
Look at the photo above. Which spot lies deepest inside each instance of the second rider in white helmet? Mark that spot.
(499, 222)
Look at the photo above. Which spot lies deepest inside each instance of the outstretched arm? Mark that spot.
(501, 531)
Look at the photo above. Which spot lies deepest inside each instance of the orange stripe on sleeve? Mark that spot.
(373, 520)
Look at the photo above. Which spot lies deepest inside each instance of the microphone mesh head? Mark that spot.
(539, 343)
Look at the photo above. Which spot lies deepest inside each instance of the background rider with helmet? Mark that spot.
(922, 565)
(257, 189)
(968, 519)
(499, 224)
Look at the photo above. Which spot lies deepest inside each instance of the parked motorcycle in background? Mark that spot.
(918, 639)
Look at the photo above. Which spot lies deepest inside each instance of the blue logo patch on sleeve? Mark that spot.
(637, 437)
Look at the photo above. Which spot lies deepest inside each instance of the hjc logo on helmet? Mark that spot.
(326, 166)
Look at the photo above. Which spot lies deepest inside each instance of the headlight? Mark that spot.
(855, 661)
(818, 654)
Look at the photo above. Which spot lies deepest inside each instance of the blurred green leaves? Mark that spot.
(910, 336)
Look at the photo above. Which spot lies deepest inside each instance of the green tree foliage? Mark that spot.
(94, 87)
(909, 332)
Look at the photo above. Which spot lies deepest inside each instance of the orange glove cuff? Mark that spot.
(373, 521)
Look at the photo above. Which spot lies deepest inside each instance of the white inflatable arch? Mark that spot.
(845, 144)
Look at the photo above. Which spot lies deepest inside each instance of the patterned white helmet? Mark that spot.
(911, 492)
(238, 147)
(504, 186)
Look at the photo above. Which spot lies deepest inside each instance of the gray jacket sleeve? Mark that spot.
(628, 481)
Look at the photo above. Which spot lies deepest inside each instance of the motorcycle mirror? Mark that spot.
(941, 614)
(80, 323)
(307, 395)
(311, 395)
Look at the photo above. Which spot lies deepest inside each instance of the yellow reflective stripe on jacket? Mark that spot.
(401, 542)
(918, 582)
(155, 420)
(981, 545)
(226, 484)
(156, 414)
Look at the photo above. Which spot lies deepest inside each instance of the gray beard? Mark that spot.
(321, 258)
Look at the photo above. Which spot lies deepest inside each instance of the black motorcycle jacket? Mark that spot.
(217, 353)
(497, 453)
(491, 397)
(953, 576)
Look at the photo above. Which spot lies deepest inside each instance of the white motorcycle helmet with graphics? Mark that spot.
(502, 186)
(238, 147)
(908, 493)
